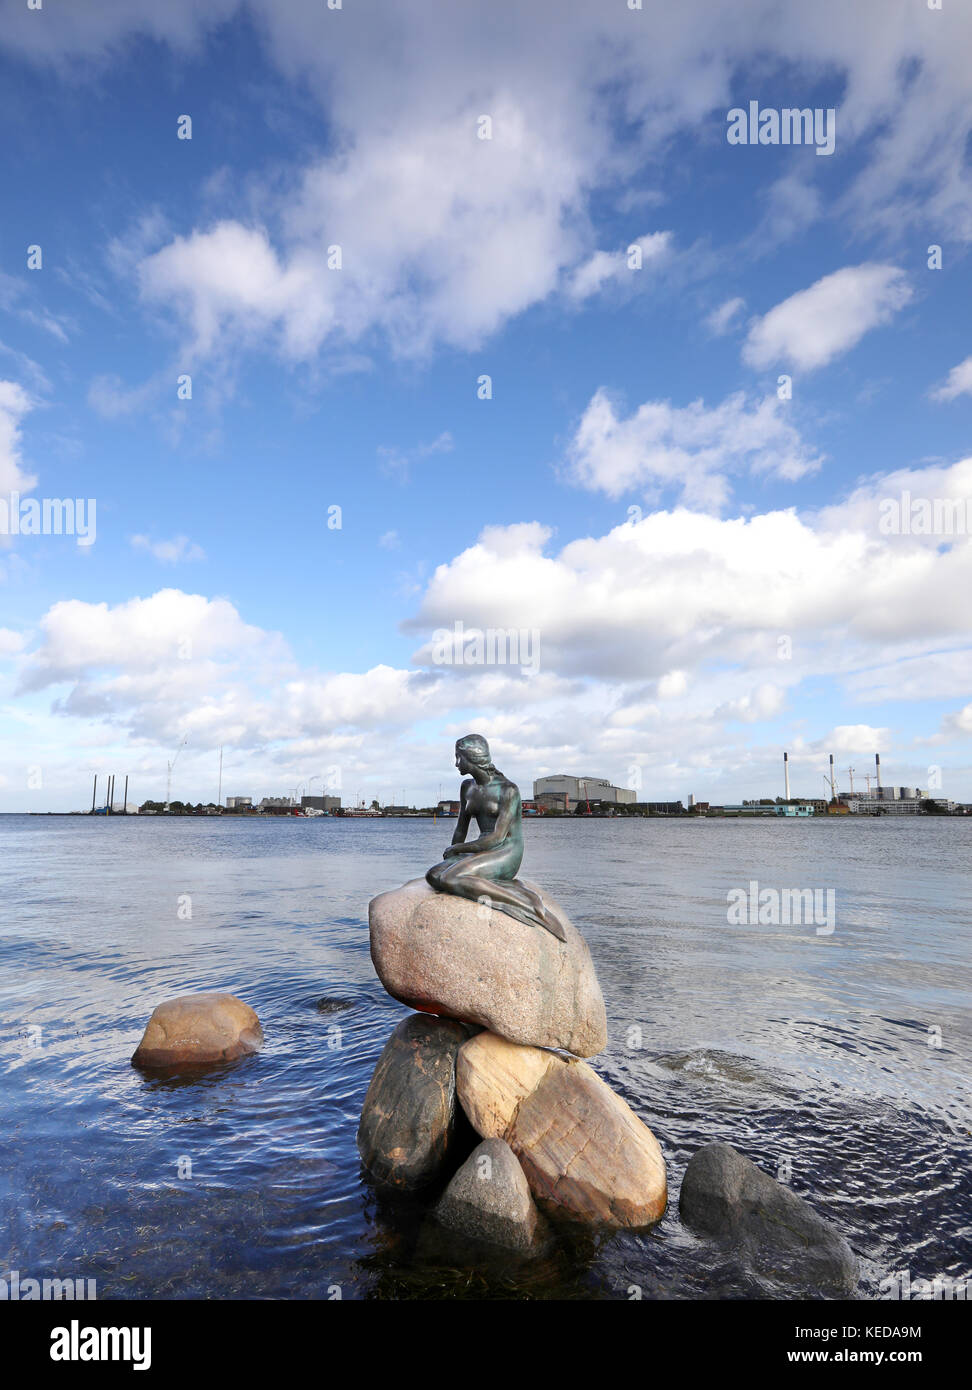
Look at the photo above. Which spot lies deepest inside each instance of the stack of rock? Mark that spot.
(506, 1013)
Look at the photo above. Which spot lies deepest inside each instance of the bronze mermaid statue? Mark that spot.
(486, 868)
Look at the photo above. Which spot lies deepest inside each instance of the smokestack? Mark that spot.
(94, 793)
(877, 768)
(126, 794)
(833, 784)
(786, 774)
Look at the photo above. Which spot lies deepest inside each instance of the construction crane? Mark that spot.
(171, 764)
(850, 773)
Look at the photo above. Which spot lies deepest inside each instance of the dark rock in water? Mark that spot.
(197, 1030)
(408, 1123)
(489, 1200)
(333, 1006)
(726, 1196)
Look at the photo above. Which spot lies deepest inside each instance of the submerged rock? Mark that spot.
(584, 1152)
(198, 1030)
(489, 1200)
(465, 960)
(408, 1121)
(726, 1196)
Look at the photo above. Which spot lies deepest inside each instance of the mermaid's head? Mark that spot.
(474, 751)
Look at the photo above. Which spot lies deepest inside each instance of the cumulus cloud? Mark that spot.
(690, 448)
(855, 738)
(168, 631)
(177, 663)
(680, 590)
(445, 236)
(959, 383)
(816, 325)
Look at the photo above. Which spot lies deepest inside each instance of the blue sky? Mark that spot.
(639, 490)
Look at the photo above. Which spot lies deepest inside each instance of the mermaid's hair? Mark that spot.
(475, 748)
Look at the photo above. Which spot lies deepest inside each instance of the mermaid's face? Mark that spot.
(463, 763)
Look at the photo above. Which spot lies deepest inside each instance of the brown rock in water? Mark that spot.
(405, 1136)
(489, 1200)
(459, 959)
(198, 1030)
(583, 1150)
(492, 1080)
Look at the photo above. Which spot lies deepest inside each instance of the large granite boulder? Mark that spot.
(198, 1030)
(585, 1154)
(726, 1196)
(489, 1200)
(408, 1122)
(465, 960)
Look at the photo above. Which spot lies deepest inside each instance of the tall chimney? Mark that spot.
(125, 807)
(786, 774)
(94, 793)
(877, 768)
(833, 784)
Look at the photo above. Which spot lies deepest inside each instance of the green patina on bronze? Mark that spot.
(486, 868)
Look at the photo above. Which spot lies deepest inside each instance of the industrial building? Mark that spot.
(320, 803)
(564, 792)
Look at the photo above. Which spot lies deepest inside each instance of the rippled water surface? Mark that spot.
(813, 1054)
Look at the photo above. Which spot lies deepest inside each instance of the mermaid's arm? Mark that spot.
(462, 825)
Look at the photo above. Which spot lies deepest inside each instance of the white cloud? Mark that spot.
(10, 642)
(172, 552)
(672, 684)
(958, 724)
(959, 383)
(816, 325)
(855, 738)
(169, 631)
(615, 267)
(685, 591)
(690, 448)
(447, 236)
(14, 405)
(765, 702)
(721, 320)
